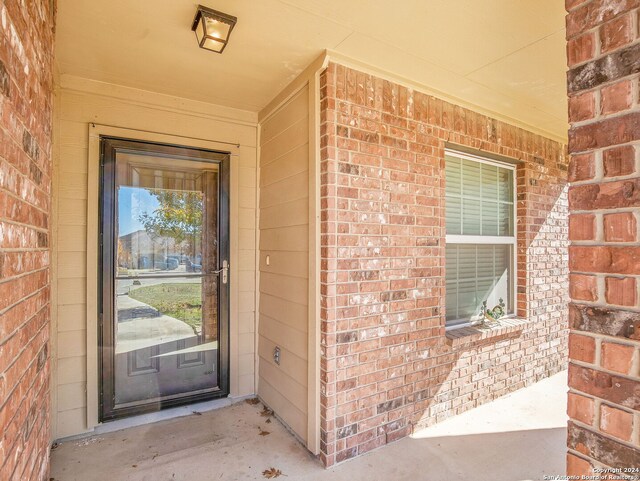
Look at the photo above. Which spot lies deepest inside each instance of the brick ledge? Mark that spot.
(469, 334)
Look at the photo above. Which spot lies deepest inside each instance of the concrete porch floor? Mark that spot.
(519, 437)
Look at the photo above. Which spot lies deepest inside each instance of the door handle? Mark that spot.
(224, 271)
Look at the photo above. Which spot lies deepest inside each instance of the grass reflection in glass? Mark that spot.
(182, 301)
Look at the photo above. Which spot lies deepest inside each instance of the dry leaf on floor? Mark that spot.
(266, 412)
(253, 401)
(264, 433)
(271, 473)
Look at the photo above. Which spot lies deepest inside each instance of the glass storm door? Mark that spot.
(165, 276)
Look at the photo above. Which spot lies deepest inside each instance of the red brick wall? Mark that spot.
(604, 315)
(387, 366)
(26, 86)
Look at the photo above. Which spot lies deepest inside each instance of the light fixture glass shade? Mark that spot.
(217, 29)
(214, 45)
(212, 28)
(200, 32)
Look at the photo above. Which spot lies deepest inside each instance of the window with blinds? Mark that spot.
(480, 236)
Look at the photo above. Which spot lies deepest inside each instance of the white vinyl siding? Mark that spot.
(480, 228)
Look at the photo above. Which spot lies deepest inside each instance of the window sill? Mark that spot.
(470, 334)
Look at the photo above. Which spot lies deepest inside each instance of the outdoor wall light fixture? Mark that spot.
(212, 28)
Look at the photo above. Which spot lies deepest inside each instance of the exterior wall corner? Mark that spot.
(387, 368)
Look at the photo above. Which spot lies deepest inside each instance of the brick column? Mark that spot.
(26, 86)
(604, 199)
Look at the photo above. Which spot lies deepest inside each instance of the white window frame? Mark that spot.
(490, 240)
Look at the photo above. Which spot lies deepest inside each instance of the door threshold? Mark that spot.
(163, 415)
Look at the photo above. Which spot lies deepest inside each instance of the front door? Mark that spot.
(165, 276)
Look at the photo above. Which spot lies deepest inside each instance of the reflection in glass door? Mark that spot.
(165, 276)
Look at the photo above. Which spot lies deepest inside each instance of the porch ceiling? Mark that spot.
(504, 56)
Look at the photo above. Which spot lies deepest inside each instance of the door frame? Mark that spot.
(109, 146)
